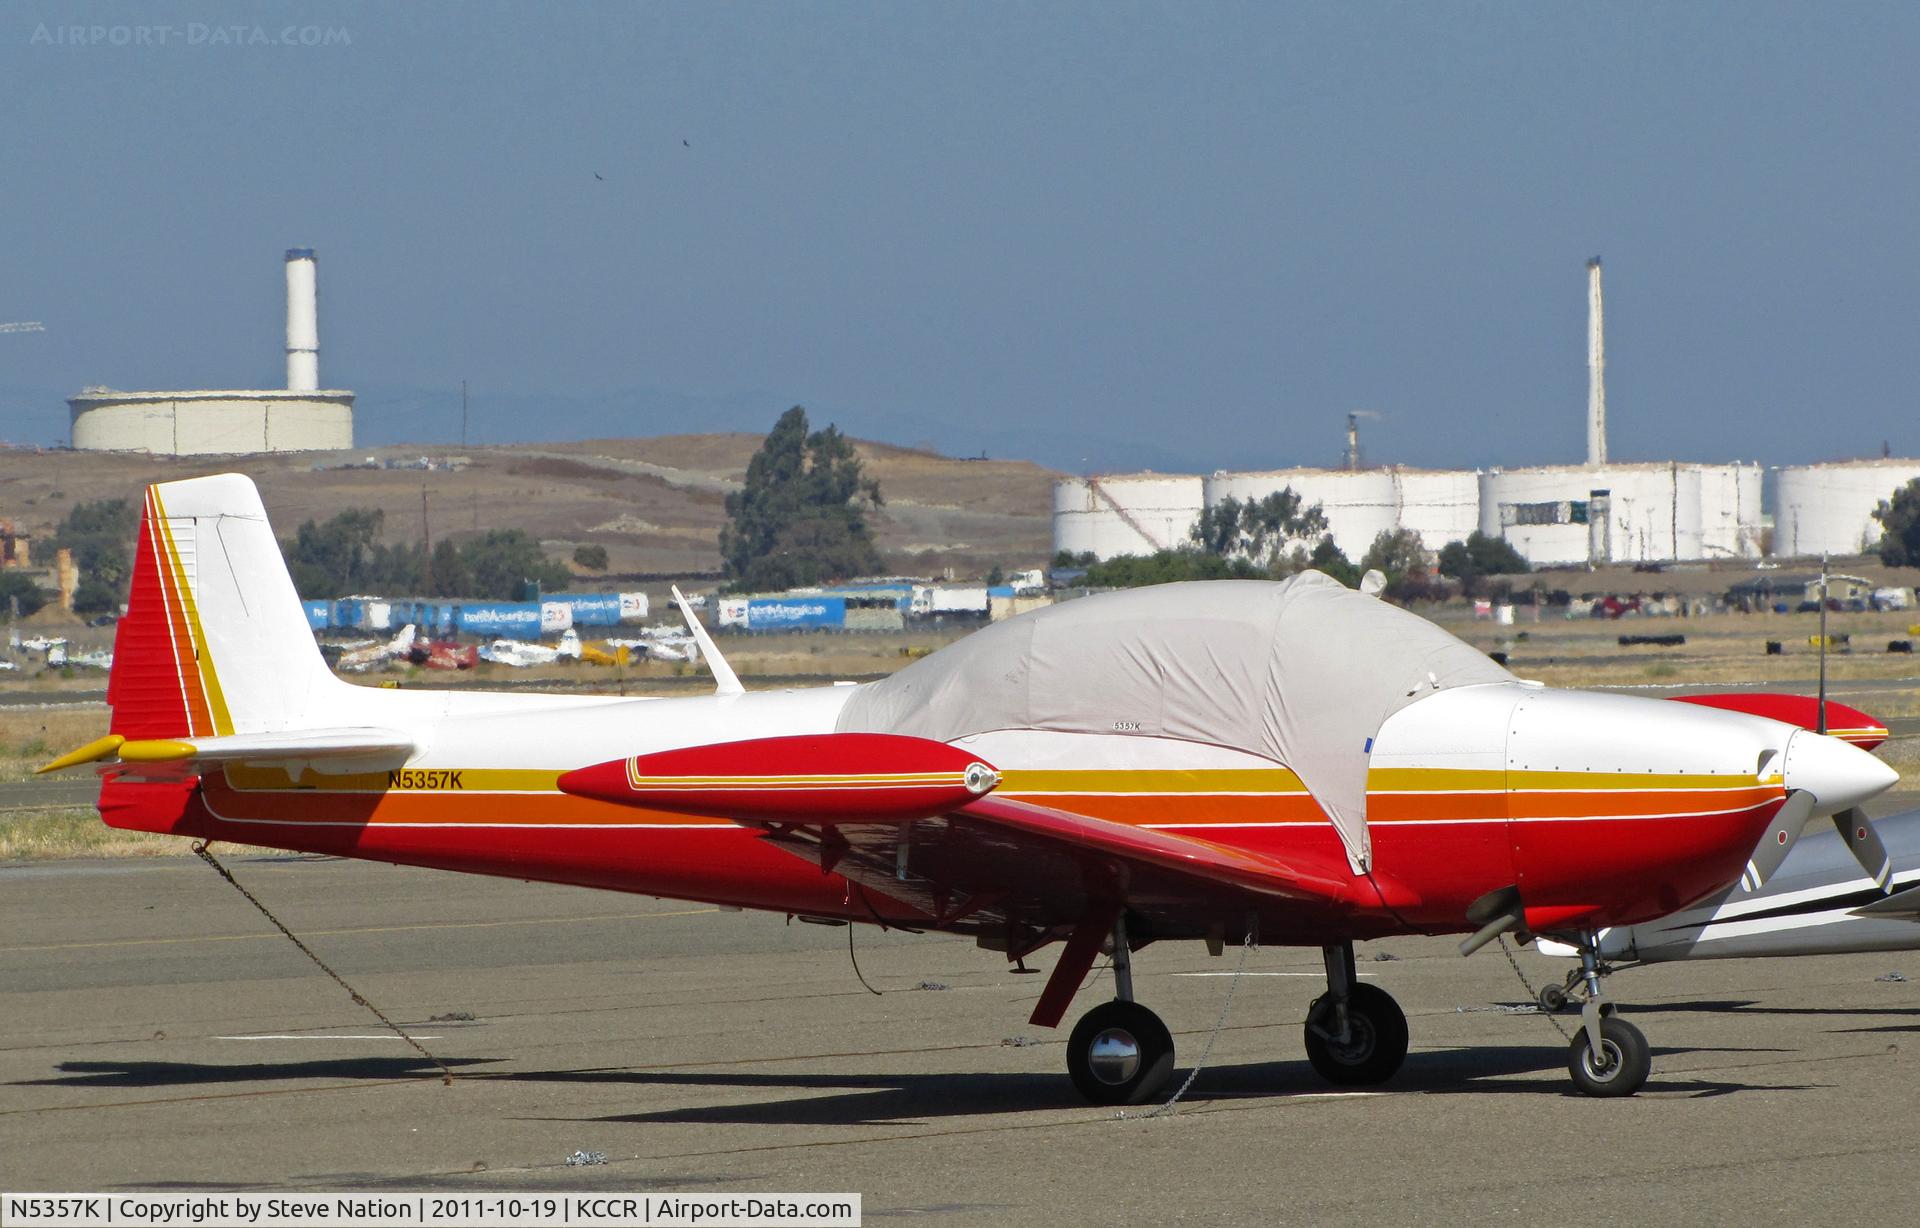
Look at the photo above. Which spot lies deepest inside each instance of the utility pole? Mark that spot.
(426, 531)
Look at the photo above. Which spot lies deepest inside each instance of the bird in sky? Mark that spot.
(686, 142)
(599, 176)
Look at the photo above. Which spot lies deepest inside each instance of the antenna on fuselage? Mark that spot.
(725, 681)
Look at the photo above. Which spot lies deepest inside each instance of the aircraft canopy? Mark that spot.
(1303, 672)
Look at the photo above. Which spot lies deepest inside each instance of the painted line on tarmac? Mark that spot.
(348, 1036)
(274, 935)
(1316, 975)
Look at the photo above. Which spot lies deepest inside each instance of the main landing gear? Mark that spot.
(1608, 1056)
(1356, 1034)
(1120, 1052)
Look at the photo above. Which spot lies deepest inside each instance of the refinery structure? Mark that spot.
(1554, 515)
(301, 417)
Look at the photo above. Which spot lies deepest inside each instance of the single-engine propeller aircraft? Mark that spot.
(1294, 763)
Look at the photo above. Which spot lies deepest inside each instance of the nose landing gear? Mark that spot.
(1608, 1056)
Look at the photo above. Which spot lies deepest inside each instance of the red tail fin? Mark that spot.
(156, 689)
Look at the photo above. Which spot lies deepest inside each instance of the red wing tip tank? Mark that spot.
(1230, 762)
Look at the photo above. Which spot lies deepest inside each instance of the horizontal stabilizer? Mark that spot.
(813, 778)
(1849, 724)
(171, 758)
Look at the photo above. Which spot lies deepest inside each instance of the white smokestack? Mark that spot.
(303, 322)
(1596, 369)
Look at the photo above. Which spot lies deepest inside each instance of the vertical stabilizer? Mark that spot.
(214, 641)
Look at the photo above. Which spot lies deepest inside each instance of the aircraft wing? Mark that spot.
(172, 759)
(915, 821)
(1012, 860)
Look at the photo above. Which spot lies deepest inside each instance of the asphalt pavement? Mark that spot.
(156, 1033)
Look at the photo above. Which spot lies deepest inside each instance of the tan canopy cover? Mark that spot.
(1302, 672)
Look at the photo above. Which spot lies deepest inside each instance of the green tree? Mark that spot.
(504, 563)
(801, 516)
(1167, 566)
(1395, 553)
(593, 557)
(1480, 555)
(1217, 531)
(95, 597)
(15, 587)
(331, 559)
(1329, 558)
(1900, 518)
(100, 535)
(1260, 529)
(451, 576)
(344, 555)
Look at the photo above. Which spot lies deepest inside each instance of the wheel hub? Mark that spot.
(1605, 1064)
(1114, 1056)
(1360, 1041)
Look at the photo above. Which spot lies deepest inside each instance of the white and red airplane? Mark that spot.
(1296, 763)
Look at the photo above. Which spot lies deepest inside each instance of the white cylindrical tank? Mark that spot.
(1358, 505)
(1730, 521)
(211, 422)
(1656, 512)
(1440, 505)
(1125, 514)
(303, 321)
(1828, 509)
(1540, 512)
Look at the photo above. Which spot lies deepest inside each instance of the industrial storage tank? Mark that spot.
(212, 422)
(1359, 504)
(1828, 509)
(1731, 516)
(1623, 513)
(1441, 505)
(298, 418)
(1125, 514)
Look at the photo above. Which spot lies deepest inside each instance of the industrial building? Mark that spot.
(1828, 509)
(298, 418)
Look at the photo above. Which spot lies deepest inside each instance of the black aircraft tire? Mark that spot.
(1629, 1060)
(1552, 998)
(1120, 1053)
(1378, 1029)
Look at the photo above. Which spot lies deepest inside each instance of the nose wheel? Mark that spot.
(1618, 1068)
(1608, 1056)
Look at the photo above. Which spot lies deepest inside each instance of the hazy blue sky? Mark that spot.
(1168, 235)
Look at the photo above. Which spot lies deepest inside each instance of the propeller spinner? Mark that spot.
(1824, 775)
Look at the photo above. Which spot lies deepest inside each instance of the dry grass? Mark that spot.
(31, 736)
(45, 835)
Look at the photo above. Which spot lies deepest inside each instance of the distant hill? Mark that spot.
(656, 504)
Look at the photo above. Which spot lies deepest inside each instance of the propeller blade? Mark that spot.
(1781, 833)
(1863, 841)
